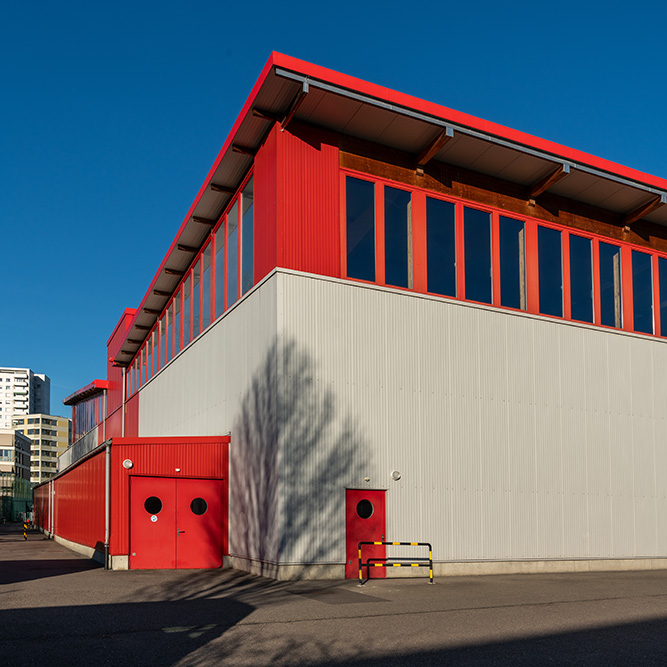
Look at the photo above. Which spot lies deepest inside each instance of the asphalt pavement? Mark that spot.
(57, 608)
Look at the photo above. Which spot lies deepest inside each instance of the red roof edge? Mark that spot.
(95, 387)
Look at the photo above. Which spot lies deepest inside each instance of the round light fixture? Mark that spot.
(395, 475)
(127, 464)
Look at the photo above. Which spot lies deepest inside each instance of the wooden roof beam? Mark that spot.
(243, 150)
(187, 248)
(645, 209)
(159, 292)
(221, 188)
(204, 221)
(266, 115)
(549, 181)
(432, 149)
(174, 272)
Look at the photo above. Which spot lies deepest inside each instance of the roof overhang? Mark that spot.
(289, 89)
(90, 390)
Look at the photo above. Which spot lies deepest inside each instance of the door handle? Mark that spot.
(180, 531)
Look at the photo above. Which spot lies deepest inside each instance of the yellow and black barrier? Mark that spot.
(390, 562)
(26, 525)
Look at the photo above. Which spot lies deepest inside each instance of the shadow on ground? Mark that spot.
(142, 633)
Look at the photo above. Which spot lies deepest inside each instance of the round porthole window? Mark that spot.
(198, 506)
(153, 505)
(365, 509)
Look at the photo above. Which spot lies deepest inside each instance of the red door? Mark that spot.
(199, 523)
(152, 523)
(175, 523)
(364, 522)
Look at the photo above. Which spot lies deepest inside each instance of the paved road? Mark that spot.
(57, 608)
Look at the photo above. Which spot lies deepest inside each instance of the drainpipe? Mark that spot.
(104, 415)
(122, 416)
(107, 504)
(51, 510)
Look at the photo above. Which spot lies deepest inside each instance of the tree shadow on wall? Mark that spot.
(293, 456)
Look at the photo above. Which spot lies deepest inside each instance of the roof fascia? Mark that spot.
(563, 153)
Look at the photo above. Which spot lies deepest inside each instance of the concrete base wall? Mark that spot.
(287, 572)
(532, 567)
(82, 549)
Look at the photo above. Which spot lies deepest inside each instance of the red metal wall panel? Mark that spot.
(114, 424)
(308, 218)
(266, 202)
(41, 497)
(168, 457)
(115, 373)
(79, 503)
(132, 417)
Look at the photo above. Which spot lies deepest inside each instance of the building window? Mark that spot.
(397, 237)
(550, 264)
(187, 311)
(477, 247)
(232, 255)
(441, 246)
(177, 322)
(581, 278)
(220, 271)
(196, 299)
(610, 285)
(642, 292)
(247, 238)
(360, 228)
(206, 287)
(662, 296)
(512, 244)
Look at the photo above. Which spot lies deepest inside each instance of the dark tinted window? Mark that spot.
(642, 292)
(198, 506)
(153, 505)
(550, 260)
(247, 240)
(581, 278)
(512, 241)
(232, 254)
(365, 509)
(662, 280)
(610, 285)
(397, 237)
(441, 246)
(360, 219)
(477, 243)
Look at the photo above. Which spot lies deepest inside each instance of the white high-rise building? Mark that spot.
(22, 392)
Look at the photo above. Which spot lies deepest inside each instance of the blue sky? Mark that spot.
(112, 114)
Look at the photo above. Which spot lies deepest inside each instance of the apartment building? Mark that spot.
(23, 392)
(50, 436)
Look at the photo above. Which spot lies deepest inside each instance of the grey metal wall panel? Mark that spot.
(516, 436)
(224, 382)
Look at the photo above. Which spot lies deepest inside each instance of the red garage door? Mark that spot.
(175, 523)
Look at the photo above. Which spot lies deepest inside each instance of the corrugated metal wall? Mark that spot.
(79, 503)
(516, 436)
(193, 459)
(308, 220)
(224, 382)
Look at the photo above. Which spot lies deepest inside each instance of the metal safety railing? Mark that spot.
(401, 562)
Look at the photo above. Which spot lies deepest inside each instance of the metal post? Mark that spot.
(107, 504)
(360, 582)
